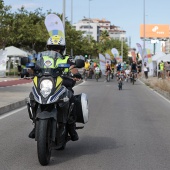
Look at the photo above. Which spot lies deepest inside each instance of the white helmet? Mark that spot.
(56, 42)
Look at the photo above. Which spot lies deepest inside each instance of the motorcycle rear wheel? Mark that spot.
(44, 141)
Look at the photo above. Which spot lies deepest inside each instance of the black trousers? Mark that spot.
(146, 74)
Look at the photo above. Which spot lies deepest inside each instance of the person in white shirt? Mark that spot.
(127, 74)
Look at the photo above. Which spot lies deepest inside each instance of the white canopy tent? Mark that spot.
(154, 64)
(164, 58)
(15, 54)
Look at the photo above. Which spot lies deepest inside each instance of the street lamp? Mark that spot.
(63, 19)
(122, 39)
(144, 28)
(71, 52)
(143, 54)
(89, 20)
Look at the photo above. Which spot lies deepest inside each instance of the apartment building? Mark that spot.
(94, 27)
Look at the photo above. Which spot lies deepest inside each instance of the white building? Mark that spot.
(94, 27)
(89, 28)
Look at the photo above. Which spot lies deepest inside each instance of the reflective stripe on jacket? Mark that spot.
(62, 61)
(48, 62)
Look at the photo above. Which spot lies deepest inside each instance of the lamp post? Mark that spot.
(144, 27)
(143, 54)
(89, 20)
(71, 52)
(122, 39)
(63, 19)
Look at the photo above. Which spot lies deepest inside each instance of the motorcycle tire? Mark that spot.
(133, 81)
(43, 141)
(62, 148)
(108, 78)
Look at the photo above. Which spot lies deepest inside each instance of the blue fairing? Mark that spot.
(64, 65)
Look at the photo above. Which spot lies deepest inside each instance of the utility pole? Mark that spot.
(72, 25)
(122, 39)
(89, 20)
(143, 54)
(64, 11)
(63, 19)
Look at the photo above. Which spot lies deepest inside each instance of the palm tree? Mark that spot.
(104, 36)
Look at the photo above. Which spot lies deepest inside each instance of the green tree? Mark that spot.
(104, 36)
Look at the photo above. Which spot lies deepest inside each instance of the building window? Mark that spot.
(86, 27)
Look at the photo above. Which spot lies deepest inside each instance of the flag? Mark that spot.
(55, 26)
(115, 52)
(102, 63)
(148, 55)
(108, 58)
(139, 49)
(133, 55)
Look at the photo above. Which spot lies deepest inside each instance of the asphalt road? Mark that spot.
(127, 130)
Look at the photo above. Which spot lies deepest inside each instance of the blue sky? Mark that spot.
(127, 14)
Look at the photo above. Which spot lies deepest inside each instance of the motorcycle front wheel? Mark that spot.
(44, 141)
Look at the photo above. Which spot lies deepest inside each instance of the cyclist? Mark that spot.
(108, 68)
(86, 68)
(134, 69)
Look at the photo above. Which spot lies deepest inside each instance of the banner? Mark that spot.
(54, 26)
(102, 63)
(108, 58)
(133, 55)
(139, 49)
(115, 52)
(3, 60)
(148, 55)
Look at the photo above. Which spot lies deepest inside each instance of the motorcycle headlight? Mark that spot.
(46, 87)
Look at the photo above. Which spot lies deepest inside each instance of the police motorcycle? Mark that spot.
(52, 100)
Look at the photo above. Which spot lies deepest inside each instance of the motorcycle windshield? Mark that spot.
(49, 63)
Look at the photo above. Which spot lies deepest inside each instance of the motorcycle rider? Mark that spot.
(67, 81)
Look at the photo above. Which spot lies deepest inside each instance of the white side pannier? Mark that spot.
(82, 110)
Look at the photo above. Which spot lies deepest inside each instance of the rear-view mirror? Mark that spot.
(30, 65)
(79, 63)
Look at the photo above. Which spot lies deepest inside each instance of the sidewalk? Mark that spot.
(8, 78)
(161, 86)
(14, 97)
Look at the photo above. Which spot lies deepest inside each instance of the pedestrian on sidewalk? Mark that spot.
(162, 69)
(145, 71)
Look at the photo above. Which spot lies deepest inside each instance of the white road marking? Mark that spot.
(12, 112)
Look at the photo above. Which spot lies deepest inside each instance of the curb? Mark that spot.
(159, 91)
(12, 106)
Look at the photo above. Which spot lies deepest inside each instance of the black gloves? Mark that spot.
(77, 75)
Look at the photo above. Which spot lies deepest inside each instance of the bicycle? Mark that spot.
(133, 77)
(108, 76)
